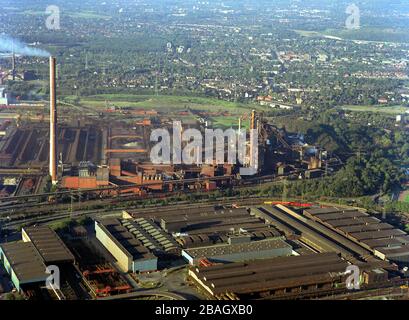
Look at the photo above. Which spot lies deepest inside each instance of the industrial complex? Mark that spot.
(222, 252)
(106, 157)
(26, 261)
(81, 194)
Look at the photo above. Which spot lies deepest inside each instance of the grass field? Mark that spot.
(163, 103)
(392, 110)
(228, 122)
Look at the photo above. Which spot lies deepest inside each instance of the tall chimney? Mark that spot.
(53, 122)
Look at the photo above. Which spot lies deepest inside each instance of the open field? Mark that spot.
(365, 34)
(229, 122)
(392, 110)
(162, 102)
(372, 34)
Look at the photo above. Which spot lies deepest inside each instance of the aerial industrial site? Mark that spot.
(87, 213)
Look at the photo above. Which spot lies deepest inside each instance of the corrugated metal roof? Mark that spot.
(272, 274)
(49, 245)
(225, 249)
(25, 261)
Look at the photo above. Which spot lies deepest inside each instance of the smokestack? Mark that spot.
(53, 122)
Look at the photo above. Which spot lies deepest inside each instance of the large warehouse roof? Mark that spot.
(25, 261)
(206, 226)
(226, 249)
(271, 274)
(368, 231)
(48, 244)
(324, 238)
(124, 239)
(151, 235)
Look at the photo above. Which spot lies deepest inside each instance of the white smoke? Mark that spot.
(9, 44)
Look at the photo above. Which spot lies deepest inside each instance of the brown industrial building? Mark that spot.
(382, 239)
(198, 227)
(238, 249)
(24, 264)
(314, 234)
(280, 277)
(26, 261)
(48, 244)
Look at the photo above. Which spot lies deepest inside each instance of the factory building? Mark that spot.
(236, 252)
(130, 253)
(382, 239)
(314, 234)
(201, 227)
(23, 263)
(26, 261)
(281, 277)
(153, 237)
(48, 244)
(89, 177)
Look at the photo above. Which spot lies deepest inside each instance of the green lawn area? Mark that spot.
(229, 122)
(393, 110)
(163, 102)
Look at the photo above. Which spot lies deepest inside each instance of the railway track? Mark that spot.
(58, 215)
(27, 204)
(235, 183)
